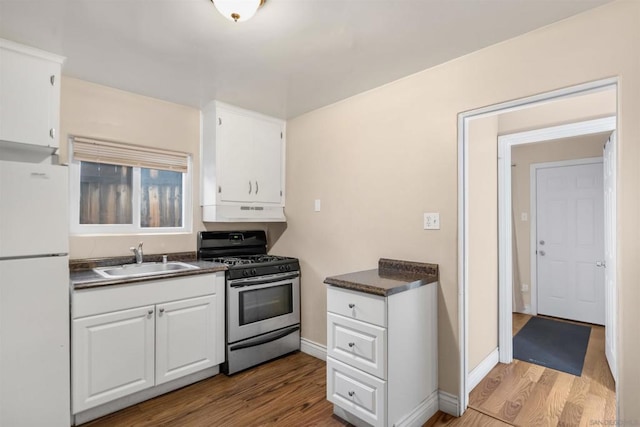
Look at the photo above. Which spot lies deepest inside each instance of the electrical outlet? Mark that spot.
(432, 221)
(524, 216)
(524, 287)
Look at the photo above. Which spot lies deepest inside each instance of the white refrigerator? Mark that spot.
(34, 295)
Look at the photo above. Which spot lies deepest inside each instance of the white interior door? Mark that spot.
(570, 242)
(609, 166)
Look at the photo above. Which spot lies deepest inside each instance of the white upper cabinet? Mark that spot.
(29, 95)
(242, 165)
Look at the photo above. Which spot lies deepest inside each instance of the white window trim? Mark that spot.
(75, 228)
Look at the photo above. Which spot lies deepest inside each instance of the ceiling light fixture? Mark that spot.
(237, 10)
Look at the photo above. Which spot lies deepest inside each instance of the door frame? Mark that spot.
(533, 227)
(464, 121)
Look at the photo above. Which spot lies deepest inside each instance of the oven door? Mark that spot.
(262, 304)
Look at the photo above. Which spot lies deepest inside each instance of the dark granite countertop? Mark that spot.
(83, 277)
(391, 277)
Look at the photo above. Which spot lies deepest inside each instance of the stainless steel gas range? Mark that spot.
(263, 297)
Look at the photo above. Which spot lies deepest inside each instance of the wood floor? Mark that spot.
(291, 391)
(524, 394)
(286, 392)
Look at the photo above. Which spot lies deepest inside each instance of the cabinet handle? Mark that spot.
(219, 189)
(150, 312)
(219, 121)
(52, 79)
(351, 344)
(351, 393)
(351, 305)
(52, 132)
(249, 187)
(161, 311)
(257, 188)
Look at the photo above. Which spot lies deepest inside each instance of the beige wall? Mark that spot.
(380, 159)
(88, 109)
(523, 157)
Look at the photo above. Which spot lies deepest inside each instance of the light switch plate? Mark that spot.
(524, 216)
(432, 221)
(316, 205)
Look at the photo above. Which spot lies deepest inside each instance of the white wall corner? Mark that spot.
(483, 368)
(448, 403)
(314, 349)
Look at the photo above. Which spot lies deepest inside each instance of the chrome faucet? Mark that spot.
(137, 252)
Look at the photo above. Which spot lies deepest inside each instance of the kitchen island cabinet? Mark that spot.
(382, 344)
(133, 341)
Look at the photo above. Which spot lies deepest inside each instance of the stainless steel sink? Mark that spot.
(143, 269)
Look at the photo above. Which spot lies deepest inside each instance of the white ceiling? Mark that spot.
(292, 57)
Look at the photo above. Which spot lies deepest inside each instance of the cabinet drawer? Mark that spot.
(356, 305)
(358, 344)
(356, 392)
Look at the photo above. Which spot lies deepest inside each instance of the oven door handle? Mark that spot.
(263, 339)
(257, 281)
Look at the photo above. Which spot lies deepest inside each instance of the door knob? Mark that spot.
(542, 242)
(542, 253)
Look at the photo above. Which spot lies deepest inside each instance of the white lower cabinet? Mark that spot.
(185, 337)
(117, 352)
(113, 356)
(382, 356)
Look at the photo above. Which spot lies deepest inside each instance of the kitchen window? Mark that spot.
(126, 189)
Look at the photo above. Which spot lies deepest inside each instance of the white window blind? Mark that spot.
(115, 153)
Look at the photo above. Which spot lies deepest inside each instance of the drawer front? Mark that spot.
(358, 344)
(357, 305)
(356, 392)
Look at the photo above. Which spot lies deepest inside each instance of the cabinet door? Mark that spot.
(267, 161)
(30, 93)
(113, 356)
(185, 337)
(234, 141)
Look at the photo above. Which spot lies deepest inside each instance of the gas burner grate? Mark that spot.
(232, 261)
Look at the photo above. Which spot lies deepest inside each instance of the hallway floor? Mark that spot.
(524, 394)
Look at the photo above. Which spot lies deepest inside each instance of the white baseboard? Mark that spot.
(421, 414)
(314, 349)
(481, 371)
(448, 403)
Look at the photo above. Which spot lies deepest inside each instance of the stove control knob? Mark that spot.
(253, 272)
(245, 273)
(281, 268)
(288, 268)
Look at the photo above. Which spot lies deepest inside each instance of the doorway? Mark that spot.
(504, 232)
(506, 258)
